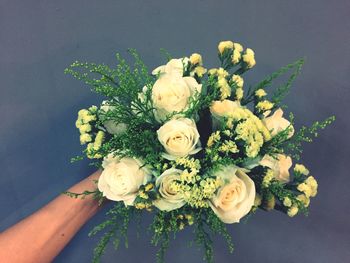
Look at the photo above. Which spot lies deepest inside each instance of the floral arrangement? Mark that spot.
(192, 146)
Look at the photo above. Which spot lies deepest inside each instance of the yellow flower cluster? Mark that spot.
(200, 71)
(249, 58)
(229, 146)
(309, 187)
(260, 93)
(238, 81)
(264, 105)
(83, 124)
(197, 194)
(144, 202)
(236, 54)
(304, 199)
(269, 175)
(235, 48)
(223, 85)
(225, 45)
(252, 131)
(293, 210)
(225, 89)
(301, 169)
(287, 202)
(214, 137)
(196, 59)
(190, 163)
(95, 146)
(185, 219)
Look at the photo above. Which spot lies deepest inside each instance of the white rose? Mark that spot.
(236, 197)
(172, 92)
(276, 123)
(111, 126)
(170, 199)
(121, 178)
(174, 66)
(279, 166)
(179, 137)
(220, 109)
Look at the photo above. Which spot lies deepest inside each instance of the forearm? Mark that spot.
(41, 236)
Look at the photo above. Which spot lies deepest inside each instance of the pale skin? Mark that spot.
(40, 237)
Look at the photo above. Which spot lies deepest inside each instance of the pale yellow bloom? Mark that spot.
(299, 168)
(84, 128)
(260, 93)
(222, 73)
(85, 138)
(249, 58)
(238, 47)
(238, 80)
(293, 211)
(200, 71)
(236, 56)
(195, 59)
(225, 89)
(305, 188)
(239, 93)
(225, 45)
(287, 202)
(264, 105)
(312, 183)
(304, 199)
(98, 140)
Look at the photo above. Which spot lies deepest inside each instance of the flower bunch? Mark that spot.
(192, 146)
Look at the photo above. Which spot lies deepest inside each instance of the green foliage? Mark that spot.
(116, 227)
(305, 134)
(280, 91)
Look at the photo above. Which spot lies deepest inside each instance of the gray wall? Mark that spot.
(38, 106)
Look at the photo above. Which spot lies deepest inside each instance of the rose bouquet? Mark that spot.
(192, 146)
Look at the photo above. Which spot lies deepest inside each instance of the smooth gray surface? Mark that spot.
(38, 106)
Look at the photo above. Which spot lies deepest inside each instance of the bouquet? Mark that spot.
(192, 146)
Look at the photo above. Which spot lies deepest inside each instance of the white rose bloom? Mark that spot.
(174, 66)
(220, 109)
(170, 199)
(111, 126)
(179, 137)
(276, 123)
(279, 166)
(236, 197)
(121, 178)
(172, 92)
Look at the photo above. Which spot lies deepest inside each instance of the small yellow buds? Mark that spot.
(264, 105)
(85, 138)
(249, 58)
(299, 168)
(312, 183)
(237, 47)
(225, 89)
(260, 93)
(293, 211)
(196, 59)
(200, 71)
(149, 187)
(238, 80)
(309, 187)
(267, 178)
(287, 202)
(223, 45)
(304, 199)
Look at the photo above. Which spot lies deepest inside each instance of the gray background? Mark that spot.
(38, 106)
